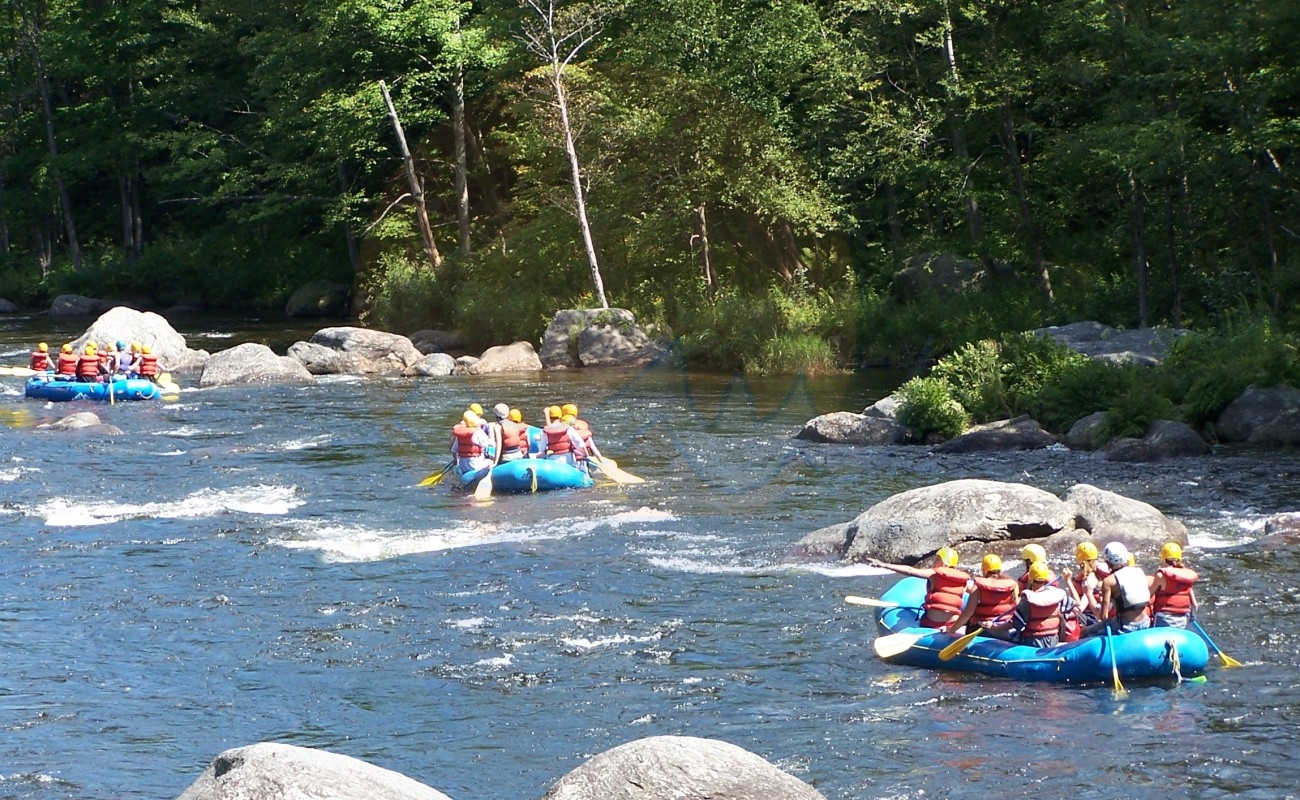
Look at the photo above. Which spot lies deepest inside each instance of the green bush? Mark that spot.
(975, 374)
(1083, 388)
(1132, 413)
(792, 354)
(1031, 361)
(927, 406)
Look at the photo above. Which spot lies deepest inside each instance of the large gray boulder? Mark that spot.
(1021, 433)
(885, 408)
(83, 422)
(370, 352)
(318, 299)
(122, 324)
(679, 768)
(944, 273)
(1164, 439)
(1083, 433)
(251, 363)
(1262, 416)
(598, 337)
(434, 365)
(75, 305)
(845, 427)
(910, 526)
(270, 771)
(560, 340)
(322, 360)
(8, 307)
(1143, 346)
(1114, 517)
(516, 357)
(823, 544)
(433, 341)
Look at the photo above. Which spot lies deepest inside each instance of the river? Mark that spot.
(254, 564)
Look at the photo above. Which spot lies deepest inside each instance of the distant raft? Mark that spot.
(1149, 653)
(531, 475)
(44, 387)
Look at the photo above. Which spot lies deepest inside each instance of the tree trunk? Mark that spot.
(462, 169)
(1171, 233)
(1139, 244)
(896, 243)
(349, 235)
(579, 195)
(417, 192)
(956, 119)
(4, 219)
(44, 247)
(1027, 222)
(43, 87)
(710, 278)
(1270, 240)
(130, 219)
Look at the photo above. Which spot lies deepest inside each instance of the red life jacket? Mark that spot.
(104, 366)
(1071, 630)
(584, 431)
(40, 361)
(1044, 612)
(557, 438)
(996, 598)
(466, 447)
(148, 366)
(88, 368)
(1175, 597)
(512, 437)
(67, 365)
(946, 589)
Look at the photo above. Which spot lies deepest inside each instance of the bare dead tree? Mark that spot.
(417, 190)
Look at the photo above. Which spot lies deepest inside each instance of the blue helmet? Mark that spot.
(121, 345)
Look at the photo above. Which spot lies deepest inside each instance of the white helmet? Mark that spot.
(1116, 555)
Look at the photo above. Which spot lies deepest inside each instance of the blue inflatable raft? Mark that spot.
(1149, 653)
(45, 387)
(530, 475)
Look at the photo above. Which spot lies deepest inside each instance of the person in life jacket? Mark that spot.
(1173, 600)
(562, 442)
(991, 599)
(1084, 586)
(945, 586)
(1042, 609)
(1029, 554)
(122, 359)
(88, 364)
(148, 367)
(66, 366)
(584, 431)
(1126, 591)
(469, 444)
(40, 360)
(509, 437)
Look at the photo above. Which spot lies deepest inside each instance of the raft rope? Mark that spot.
(1175, 659)
(532, 469)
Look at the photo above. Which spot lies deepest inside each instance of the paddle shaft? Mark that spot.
(1227, 660)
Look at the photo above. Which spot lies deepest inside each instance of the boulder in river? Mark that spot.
(75, 305)
(845, 427)
(679, 768)
(516, 357)
(122, 324)
(434, 365)
(434, 341)
(1114, 517)
(251, 363)
(1262, 416)
(82, 422)
(272, 771)
(1020, 433)
(361, 351)
(319, 299)
(598, 337)
(8, 307)
(1142, 346)
(1164, 439)
(1083, 433)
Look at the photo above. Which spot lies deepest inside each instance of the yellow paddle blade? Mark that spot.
(1120, 691)
(869, 601)
(611, 469)
(1229, 661)
(951, 651)
(484, 489)
(895, 643)
(436, 478)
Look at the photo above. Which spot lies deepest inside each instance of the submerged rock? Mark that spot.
(1164, 439)
(82, 422)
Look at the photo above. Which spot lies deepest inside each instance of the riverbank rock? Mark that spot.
(679, 768)
(1164, 439)
(1286, 524)
(845, 427)
(1083, 433)
(516, 357)
(122, 324)
(434, 341)
(884, 408)
(1262, 416)
(8, 307)
(823, 543)
(319, 299)
(82, 422)
(1021, 433)
(251, 363)
(75, 305)
(598, 337)
(931, 273)
(270, 771)
(434, 365)
(1114, 517)
(360, 351)
(1144, 346)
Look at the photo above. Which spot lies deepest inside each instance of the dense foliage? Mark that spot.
(754, 173)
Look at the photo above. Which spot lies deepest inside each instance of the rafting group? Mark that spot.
(97, 365)
(510, 455)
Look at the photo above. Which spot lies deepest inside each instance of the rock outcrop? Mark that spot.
(1083, 433)
(356, 351)
(679, 768)
(251, 363)
(1114, 517)
(1262, 416)
(319, 299)
(1164, 439)
(122, 324)
(598, 337)
(434, 365)
(270, 771)
(845, 427)
(1021, 433)
(1143, 346)
(75, 305)
(433, 341)
(82, 422)
(516, 357)
(937, 273)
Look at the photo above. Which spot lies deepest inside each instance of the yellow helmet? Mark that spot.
(554, 413)
(569, 419)
(43, 347)
(1038, 571)
(90, 348)
(1032, 553)
(516, 416)
(146, 349)
(1086, 551)
(570, 409)
(991, 563)
(67, 347)
(1171, 552)
(135, 347)
(470, 418)
(476, 408)
(947, 556)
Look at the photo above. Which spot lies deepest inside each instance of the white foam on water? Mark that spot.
(500, 661)
(609, 641)
(171, 453)
(302, 444)
(10, 475)
(258, 499)
(642, 514)
(473, 623)
(837, 570)
(698, 567)
(9, 391)
(185, 432)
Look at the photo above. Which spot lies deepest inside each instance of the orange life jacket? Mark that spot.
(40, 361)
(557, 438)
(148, 366)
(584, 431)
(513, 437)
(1175, 597)
(88, 368)
(67, 365)
(946, 589)
(996, 598)
(1044, 612)
(466, 447)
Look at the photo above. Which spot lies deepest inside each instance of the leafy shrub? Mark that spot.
(975, 374)
(1133, 412)
(927, 406)
(791, 354)
(1031, 361)
(1082, 388)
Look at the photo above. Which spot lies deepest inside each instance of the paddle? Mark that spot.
(1228, 661)
(1120, 691)
(112, 401)
(896, 643)
(610, 468)
(484, 489)
(870, 601)
(436, 478)
(18, 372)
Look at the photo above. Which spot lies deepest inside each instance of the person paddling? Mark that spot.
(1085, 585)
(1173, 599)
(562, 442)
(992, 598)
(1126, 591)
(469, 445)
(1042, 609)
(509, 437)
(88, 364)
(40, 360)
(945, 586)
